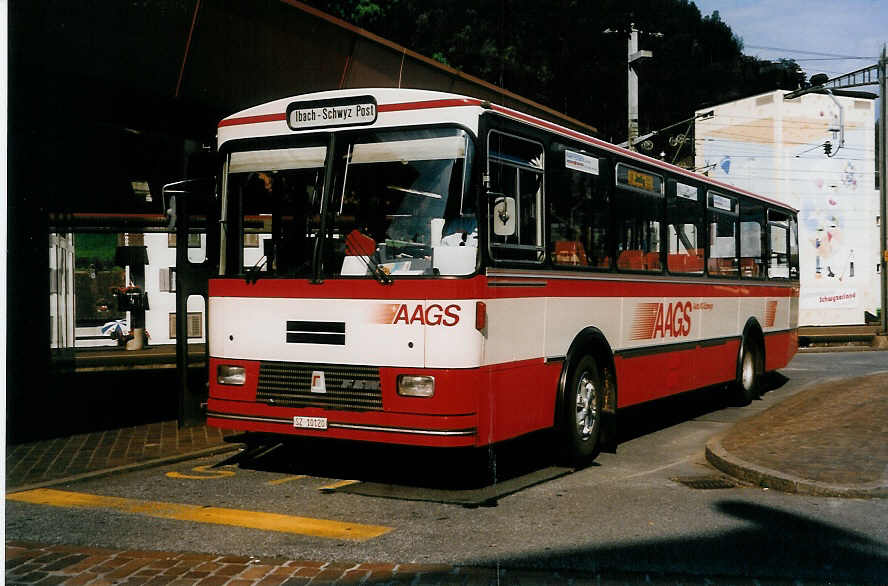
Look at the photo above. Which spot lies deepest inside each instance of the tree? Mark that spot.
(558, 53)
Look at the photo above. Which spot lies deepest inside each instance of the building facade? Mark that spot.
(816, 153)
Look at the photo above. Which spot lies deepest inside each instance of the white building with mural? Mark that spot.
(816, 153)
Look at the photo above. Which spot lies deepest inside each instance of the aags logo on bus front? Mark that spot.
(410, 314)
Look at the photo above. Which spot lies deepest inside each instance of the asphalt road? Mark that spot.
(627, 512)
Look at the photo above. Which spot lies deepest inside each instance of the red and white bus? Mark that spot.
(441, 271)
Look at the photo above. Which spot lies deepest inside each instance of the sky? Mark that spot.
(816, 33)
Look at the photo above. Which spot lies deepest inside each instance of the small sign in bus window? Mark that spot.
(685, 191)
(639, 180)
(581, 162)
(721, 202)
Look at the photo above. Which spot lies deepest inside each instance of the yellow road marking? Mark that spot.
(285, 479)
(207, 472)
(199, 514)
(339, 484)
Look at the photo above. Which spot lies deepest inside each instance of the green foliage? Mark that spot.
(94, 249)
(559, 53)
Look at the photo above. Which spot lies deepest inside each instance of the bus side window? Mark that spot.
(778, 236)
(515, 167)
(722, 218)
(579, 210)
(685, 228)
(752, 237)
(640, 211)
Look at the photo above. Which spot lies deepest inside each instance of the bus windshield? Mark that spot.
(399, 205)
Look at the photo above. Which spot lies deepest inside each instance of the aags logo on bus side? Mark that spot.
(410, 314)
(661, 320)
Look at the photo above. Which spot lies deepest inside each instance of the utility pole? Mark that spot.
(883, 190)
(634, 55)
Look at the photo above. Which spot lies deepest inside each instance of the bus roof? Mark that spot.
(398, 107)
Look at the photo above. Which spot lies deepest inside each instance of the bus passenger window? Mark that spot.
(752, 263)
(722, 213)
(778, 236)
(793, 248)
(685, 230)
(579, 213)
(639, 203)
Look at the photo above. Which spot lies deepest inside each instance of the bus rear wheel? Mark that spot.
(583, 405)
(749, 374)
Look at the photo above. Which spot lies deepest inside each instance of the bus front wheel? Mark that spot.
(584, 402)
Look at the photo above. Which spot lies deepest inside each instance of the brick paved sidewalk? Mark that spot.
(831, 439)
(33, 563)
(835, 433)
(45, 461)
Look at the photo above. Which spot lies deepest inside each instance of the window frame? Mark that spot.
(733, 212)
(787, 237)
(619, 205)
(559, 178)
(675, 201)
(541, 248)
(760, 220)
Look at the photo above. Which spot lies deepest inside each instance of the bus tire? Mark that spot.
(747, 386)
(583, 409)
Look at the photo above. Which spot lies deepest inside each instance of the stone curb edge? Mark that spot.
(719, 457)
(172, 459)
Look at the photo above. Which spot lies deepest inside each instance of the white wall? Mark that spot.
(61, 295)
(773, 147)
(163, 303)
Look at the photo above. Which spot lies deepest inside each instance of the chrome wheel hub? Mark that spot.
(587, 406)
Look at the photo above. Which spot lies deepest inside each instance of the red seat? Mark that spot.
(632, 260)
(568, 252)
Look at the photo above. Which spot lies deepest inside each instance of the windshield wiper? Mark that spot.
(364, 247)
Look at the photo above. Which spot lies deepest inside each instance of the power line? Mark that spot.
(831, 59)
(802, 52)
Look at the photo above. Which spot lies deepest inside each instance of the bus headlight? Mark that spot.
(227, 374)
(416, 386)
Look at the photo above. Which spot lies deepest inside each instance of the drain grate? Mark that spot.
(711, 482)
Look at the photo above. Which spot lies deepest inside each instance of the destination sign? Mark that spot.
(358, 110)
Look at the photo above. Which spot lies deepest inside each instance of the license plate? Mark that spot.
(310, 422)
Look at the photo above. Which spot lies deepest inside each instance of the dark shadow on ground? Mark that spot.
(639, 420)
(771, 546)
(465, 468)
(440, 468)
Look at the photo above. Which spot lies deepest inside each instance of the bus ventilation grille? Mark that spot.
(346, 387)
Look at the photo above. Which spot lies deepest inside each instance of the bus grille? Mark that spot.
(349, 388)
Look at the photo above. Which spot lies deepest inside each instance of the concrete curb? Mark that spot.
(172, 459)
(719, 457)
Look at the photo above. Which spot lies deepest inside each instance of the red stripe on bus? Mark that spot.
(481, 287)
(253, 119)
(424, 105)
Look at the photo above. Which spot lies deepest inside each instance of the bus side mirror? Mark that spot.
(503, 214)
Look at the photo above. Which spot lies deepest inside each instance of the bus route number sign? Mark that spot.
(354, 111)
